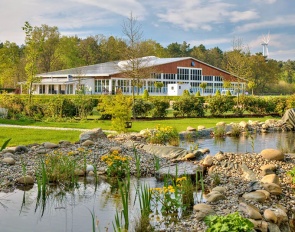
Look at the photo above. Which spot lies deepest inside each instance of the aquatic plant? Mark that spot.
(117, 164)
(164, 135)
(4, 145)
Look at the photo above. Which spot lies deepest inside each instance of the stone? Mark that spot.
(189, 156)
(87, 143)
(288, 120)
(49, 145)
(93, 135)
(255, 196)
(111, 136)
(221, 124)
(272, 227)
(266, 193)
(8, 154)
(168, 152)
(214, 196)
(208, 161)
(202, 210)
(200, 127)
(247, 173)
(21, 149)
(271, 178)
(259, 225)
(272, 154)
(270, 167)
(219, 189)
(250, 210)
(189, 128)
(89, 168)
(266, 172)
(272, 188)
(270, 216)
(219, 156)
(91, 173)
(243, 124)
(79, 172)
(205, 150)
(8, 160)
(26, 180)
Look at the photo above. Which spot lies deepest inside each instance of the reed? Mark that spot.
(137, 161)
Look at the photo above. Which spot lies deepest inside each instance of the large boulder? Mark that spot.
(168, 152)
(92, 135)
(288, 120)
(272, 154)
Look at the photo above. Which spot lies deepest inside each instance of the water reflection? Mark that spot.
(284, 141)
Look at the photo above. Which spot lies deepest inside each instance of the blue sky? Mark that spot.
(209, 22)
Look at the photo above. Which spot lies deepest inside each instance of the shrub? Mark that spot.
(160, 108)
(145, 95)
(218, 105)
(164, 135)
(189, 106)
(230, 222)
(198, 94)
(217, 92)
(142, 107)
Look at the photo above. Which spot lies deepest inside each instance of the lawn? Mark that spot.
(28, 136)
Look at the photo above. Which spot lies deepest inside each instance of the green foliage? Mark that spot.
(145, 95)
(198, 94)
(186, 93)
(163, 135)
(119, 108)
(228, 93)
(217, 93)
(291, 173)
(4, 145)
(189, 106)
(219, 131)
(218, 105)
(160, 108)
(117, 164)
(142, 107)
(231, 222)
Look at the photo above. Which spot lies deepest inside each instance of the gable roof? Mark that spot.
(113, 67)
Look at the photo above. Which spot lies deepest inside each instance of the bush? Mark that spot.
(142, 107)
(145, 95)
(218, 105)
(160, 108)
(164, 135)
(189, 106)
(230, 222)
(217, 92)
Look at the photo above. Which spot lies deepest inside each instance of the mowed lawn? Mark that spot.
(24, 136)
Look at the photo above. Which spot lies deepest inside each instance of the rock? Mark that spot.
(8, 154)
(8, 160)
(219, 156)
(9, 150)
(214, 196)
(189, 128)
(79, 172)
(111, 136)
(221, 124)
(219, 189)
(243, 124)
(259, 225)
(180, 169)
(205, 150)
(188, 135)
(288, 120)
(87, 143)
(250, 210)
(270, 216)
(200, 127)
(208, 161)
(89, 168)
(255, 196)
(271, 178)
(272, 188)
(49, 145)
(270, 167)
(266, 193)
(92, 135)
(202, 210)
(168, 152)
(247, 173)
(91, 173)
(272, 154)
(189, 156)
(26, 180)
(273, 227)
(21, 149)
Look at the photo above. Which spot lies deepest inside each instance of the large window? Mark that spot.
(183, 74)
(42, 89)
(169, 76)
(208, 78)
(51, 89)
(196, 74)
(101, 86)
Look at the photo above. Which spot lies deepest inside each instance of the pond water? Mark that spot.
(278, 140)
(71, 211)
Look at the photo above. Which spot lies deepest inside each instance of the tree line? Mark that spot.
(46, 50)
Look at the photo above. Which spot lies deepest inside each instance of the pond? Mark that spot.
(72, 210)
(277, 140)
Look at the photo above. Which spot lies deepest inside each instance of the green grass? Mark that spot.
(28, 136)
(21, 136)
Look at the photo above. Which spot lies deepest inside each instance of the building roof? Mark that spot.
(114, 67)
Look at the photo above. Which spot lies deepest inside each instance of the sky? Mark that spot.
(213, 23)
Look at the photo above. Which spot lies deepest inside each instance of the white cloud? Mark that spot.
(210, 42)
(264, 1)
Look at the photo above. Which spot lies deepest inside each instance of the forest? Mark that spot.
(48, 51)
